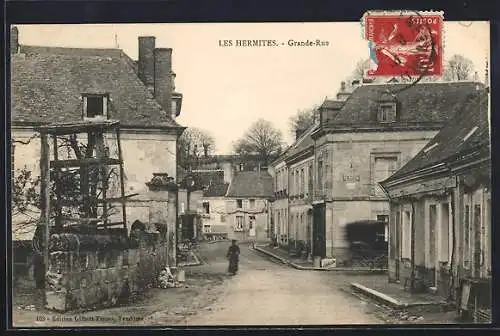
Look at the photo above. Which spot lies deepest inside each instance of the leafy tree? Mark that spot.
(261, 139)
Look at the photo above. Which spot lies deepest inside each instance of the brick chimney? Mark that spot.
(14, 40)
(163, 78)
(146, 64)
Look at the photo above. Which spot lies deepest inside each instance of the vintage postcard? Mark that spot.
(251, 173)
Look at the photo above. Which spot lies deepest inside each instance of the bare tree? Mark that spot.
(263, 139)
(458, 68)
(303, 119)
(194, 144)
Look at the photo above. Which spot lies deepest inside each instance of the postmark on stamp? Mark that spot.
(404, 43)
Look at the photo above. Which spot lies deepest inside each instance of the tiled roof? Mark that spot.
(417, 104)
(457, 137)
(251, 184)
(213, 182)
(47, 84)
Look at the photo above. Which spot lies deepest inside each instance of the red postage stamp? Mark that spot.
(404, 43)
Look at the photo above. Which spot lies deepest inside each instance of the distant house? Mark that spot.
(214, 215)
(247, 205)
(440, 210)
(230, 164)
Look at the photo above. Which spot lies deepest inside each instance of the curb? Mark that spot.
(390, 301)
(307, 268)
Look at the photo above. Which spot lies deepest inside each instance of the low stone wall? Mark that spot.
(80, 280)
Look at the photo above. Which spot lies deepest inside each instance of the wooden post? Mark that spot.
(58, 213)
(45, 195)
(412, 246)
(102, 172)
(122, 181)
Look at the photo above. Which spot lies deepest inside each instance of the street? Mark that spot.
(264, 292)
(267, 293)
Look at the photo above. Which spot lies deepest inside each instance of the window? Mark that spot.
(387, 113)
(383, 168)
(310, 179)
(477, 248)
(297, 182)
(292, 182)
(302, 184)
(222, 218)
(206, 208)
(466, 236)
(406, 236)
(241, 166)
(238, 226)
(320, 176)
(95, 105)
(239, 204)
(384, 219)
(444, 239)
(432, 235)
(251, 222)
(252, 203)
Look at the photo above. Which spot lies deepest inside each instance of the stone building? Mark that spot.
(53, 84)
(440, 203)
(363, 137)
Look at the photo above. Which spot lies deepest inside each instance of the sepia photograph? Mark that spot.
(251, 174)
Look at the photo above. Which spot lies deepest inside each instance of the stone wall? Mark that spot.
(80, 280)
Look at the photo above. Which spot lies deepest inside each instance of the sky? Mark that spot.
(226, 89)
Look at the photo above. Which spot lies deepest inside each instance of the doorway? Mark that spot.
(319, 230)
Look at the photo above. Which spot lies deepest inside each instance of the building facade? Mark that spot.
(363, 137)
(440, 222)
(52, 84)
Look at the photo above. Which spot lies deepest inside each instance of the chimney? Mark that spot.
(146, 64)
(14, 40)
(163, 78)
(343, 94)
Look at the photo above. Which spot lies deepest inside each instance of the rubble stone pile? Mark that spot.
(167, 279)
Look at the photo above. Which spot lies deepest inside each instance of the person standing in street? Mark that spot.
(233, 255)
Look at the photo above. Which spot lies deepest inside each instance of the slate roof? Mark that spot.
(47, 83)
(450, 140)
(213, 182)
(302, 143)
(332, 104)
(417, 104)
(251, 184)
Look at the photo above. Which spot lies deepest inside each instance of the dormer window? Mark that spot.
(387, 112)
(95, 106)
